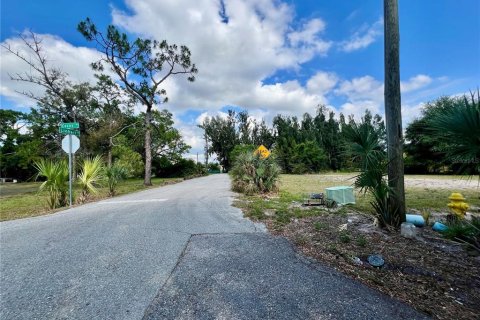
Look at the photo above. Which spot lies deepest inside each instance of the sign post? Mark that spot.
(70, 144)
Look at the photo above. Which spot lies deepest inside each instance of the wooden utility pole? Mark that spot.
(393, 113)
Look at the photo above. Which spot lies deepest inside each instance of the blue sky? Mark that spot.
(272, 56)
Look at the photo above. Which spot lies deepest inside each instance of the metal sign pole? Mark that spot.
(70, 166)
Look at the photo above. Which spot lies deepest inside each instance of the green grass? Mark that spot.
(21, 200)
(11, 189)
(294, 188)
(416, 197)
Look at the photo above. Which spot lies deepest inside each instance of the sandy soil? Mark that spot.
(441, 182)
(423, 181)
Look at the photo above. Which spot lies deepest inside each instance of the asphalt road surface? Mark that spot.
(176, 252)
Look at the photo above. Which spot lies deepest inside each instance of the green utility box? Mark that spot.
(341, 194)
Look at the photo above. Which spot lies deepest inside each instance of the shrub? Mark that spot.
(361, 241)
(465, 232)
(184, 168)
(308, 158)
(130, 160)
(214, 167)
(456, 128)
(368, 152)
(240, 149)
(113, 175)
(56, 184)
(252, 174)
(90, 175)
(344, 237)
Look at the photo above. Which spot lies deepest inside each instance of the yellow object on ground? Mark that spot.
(262, 151)
(458, 205)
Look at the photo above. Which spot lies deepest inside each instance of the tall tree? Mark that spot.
(142, 66)
(223, 137)
(64, 96)
(393, 113)
(114, 107)
(244, 130)
(166, 140)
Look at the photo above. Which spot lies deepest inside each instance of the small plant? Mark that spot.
(282, 217)
(361, 241)
(344, 237)
(253, 174)
(426, 216)
(90, 176)
(113, 175)
(465, 232)
(56, 184)
(319, 225)
(301, 239)
(333, 249)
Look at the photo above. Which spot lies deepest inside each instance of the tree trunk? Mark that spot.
(109, 155)
(206, 150)
(393, 114)
(148, 148)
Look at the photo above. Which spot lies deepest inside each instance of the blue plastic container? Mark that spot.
(437, 226)
(416, 219)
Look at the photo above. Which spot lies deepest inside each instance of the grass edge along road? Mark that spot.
(294, 188)
(23, 200)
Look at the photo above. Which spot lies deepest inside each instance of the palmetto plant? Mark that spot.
(456, 126)
(56, 184)
(90, 176)
(367, 150)
(253, 174)
(113, 175)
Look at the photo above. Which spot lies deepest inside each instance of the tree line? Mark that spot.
(320, 141)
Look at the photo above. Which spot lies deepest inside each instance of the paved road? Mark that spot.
(177, 252)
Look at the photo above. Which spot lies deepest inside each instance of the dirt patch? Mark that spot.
(452, 183)
(432, 274)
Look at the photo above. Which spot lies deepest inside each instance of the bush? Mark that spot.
(130, 160)
(465, 232)
(56, 184)
(90, 176)
(184, 168)
(367, 151)
(240, 149)
(113, 175)
(214, 167)
(252, 174)
(308, 158)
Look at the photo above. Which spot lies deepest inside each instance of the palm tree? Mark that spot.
(113, 175)
(57, 181)
(366, 149)
(456, 126)
(91, 174)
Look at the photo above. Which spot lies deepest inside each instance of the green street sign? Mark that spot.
(75, 132)
(70, 125)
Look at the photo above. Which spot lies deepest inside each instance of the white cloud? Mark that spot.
(368, 93)
(363, 37)
(415, 83)
(233, 58)
(59, 53)
(322, 82)
(411, 112)
(308, 38)
(361, 89)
